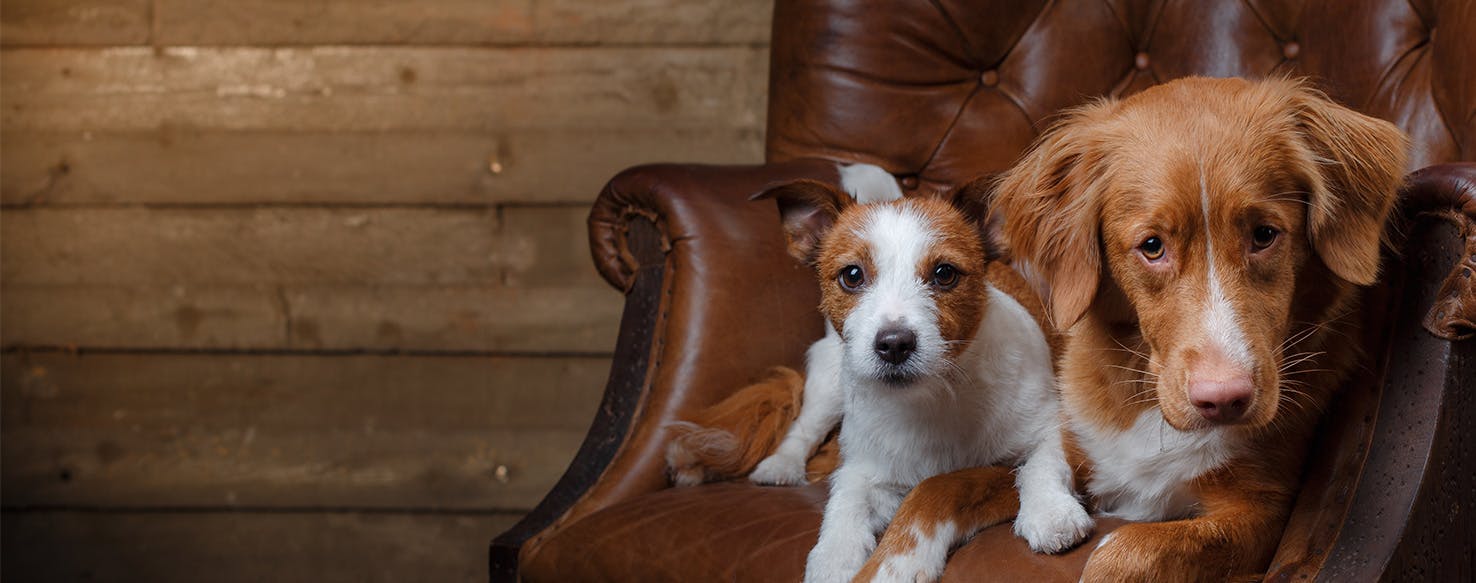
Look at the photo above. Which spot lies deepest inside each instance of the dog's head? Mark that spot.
(1216, 218)
(902, 281)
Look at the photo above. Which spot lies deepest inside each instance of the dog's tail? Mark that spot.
(728, 439)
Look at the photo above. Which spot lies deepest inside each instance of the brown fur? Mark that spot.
(974, 498)
(1113, 173)
(728, 439)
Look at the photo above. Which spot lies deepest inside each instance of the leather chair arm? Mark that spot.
(1408, 505)
(1447, 192)
(712, 299)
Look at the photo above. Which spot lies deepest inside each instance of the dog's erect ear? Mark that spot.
(1049, 208)
(808, 208)
(1358, 166)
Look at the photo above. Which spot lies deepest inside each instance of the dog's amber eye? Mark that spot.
(1152, 248)
(945, 276)
(851, 277)
(1263, 236)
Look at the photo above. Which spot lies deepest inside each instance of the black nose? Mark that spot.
(894, 345)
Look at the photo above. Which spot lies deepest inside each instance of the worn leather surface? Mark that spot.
(1448, 191)
(733, 302)
(736, 531)
(942, 92)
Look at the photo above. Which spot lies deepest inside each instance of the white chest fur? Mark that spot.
(1143, 473)
(992, 409)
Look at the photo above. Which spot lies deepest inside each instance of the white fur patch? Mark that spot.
(992, 407)
(1143, 473)
(868, 183)
(1220, 323)
(898, 238)
(1051, 517)
(819, 413)
(927, 559)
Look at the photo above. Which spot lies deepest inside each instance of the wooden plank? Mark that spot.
(383, 88)
(654, 21)
(229, 547)
(583, 319)
(174, 165)
(394, 318)
(182, 430)
(339, 22)
(277, 245)
(74, 22)
(144, 317)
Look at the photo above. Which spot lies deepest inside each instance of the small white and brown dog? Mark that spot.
(939, 360)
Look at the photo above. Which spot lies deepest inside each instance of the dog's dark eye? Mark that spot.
(945, 276)
(851, 278)
(1263, 236)
(1152, 248)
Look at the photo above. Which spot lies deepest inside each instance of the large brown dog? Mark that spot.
(1203, 242)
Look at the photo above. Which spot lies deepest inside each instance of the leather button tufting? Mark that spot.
(990, 78)
(1141, 61)
(1290, 50)
(909, 182)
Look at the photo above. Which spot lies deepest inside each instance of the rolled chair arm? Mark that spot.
(1404, 513)
(712, 299)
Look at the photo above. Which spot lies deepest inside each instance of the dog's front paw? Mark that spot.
(829, 570)
(1053, 526)
(779, 470)
(904, 568)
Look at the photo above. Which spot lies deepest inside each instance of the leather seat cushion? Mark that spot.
(736, 531)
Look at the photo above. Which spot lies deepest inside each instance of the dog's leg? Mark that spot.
(1051, 518)
(818, 415)
(936, 516)
(859, 508)
(1234, 538)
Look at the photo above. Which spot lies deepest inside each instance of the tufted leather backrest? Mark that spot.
(943, 91)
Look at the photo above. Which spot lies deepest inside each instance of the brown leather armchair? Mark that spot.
(944, 91)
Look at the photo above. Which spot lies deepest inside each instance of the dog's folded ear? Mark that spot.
(971, 199)
(807, 208)
(1048, 206)
(1358, 164)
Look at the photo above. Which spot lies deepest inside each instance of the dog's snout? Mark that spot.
(895, 345)
(1222, 401)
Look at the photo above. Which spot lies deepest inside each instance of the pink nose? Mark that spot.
(1221, 401)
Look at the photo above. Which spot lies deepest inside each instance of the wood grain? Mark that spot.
(257, 246)
(338, 22)
(436, 22)
(201, 167)
(173, 317)
(228, 547)
(74, 22)
(554, 320)
(382, 88)
(181, 430)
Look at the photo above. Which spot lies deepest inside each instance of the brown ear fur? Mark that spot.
(972, 200)
(1049, 206)
(728, 439)
(1360, 162)
(807, 208)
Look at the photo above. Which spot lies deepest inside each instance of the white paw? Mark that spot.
(779, 470)
(823, 570)
(908, 568)
(1052, 527)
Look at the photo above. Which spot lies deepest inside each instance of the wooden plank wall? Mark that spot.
(299, 289)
